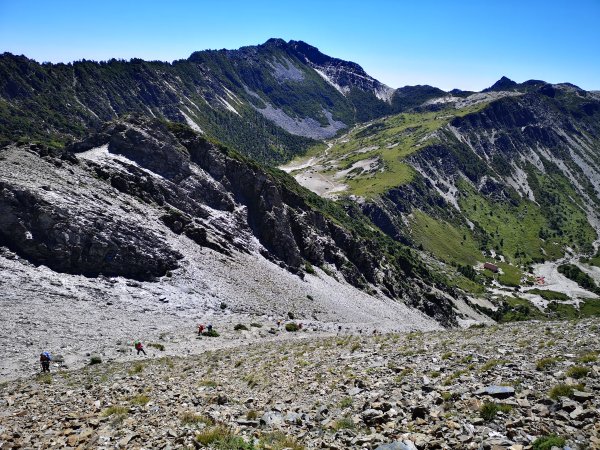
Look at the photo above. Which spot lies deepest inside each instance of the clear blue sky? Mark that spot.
(464, 44)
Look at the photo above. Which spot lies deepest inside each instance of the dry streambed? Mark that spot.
(498, 387)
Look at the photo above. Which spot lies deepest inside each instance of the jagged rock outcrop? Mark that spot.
(71, 236)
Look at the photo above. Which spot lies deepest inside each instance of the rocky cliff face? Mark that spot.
(76, 211)
(343, 75)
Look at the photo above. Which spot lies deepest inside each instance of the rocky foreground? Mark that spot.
(519, 386)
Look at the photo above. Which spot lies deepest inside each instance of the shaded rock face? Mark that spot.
(91, 243)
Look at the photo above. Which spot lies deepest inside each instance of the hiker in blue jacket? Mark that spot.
(45, 359)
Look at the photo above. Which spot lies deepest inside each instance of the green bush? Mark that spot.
(544, 363)
(220, 437)
(191, 418)
(489, 410)
(345, 423)
(291, 327)
(346, 402)
(240, 327)
(44, 378)
(588, 358)
(211, 333)
(308, 268)
(560, 390)
(115, 411)
(578, 372)
(278, 440)
(140, 400)
(137, 368)
(547, 442)
(95, 360)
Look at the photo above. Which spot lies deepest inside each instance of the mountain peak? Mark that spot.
(503, 84)
(276, 42)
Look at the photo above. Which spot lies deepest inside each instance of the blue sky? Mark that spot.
(463, 44)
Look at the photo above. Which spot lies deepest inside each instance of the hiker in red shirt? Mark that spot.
(139, 347)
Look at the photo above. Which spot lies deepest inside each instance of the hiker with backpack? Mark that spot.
(45, 359)
(139, 347)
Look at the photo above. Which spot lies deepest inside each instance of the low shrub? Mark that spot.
(140, 400)
(489, 410)
(578, 372)
(137, 368)
(560, 390)
(240, 327)
(545, 363)
(115, 411)
(491, 364)
(547, 442)
(588, 358)
(95, 360)
(278, 440)
(344, 423)
(220, 437)
(291, 327)
(44, 378)
(308, 268)
(192, 418)
(346, 402)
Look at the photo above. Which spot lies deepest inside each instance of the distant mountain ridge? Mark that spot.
(270, 101)
(262, 100)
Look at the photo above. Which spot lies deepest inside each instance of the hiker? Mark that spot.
(139, 347)
(279, 323)
(45, 359)
(209, 327)
(200, 328)
(339, 328)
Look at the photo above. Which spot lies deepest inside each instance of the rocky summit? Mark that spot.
(537, 385)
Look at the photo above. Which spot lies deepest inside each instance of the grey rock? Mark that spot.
(496, 391)
(293, 417)
(354, 391)
(272, 418)
(581, 396)
(397, 445)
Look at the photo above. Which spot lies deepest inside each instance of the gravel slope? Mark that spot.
(441, 389)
